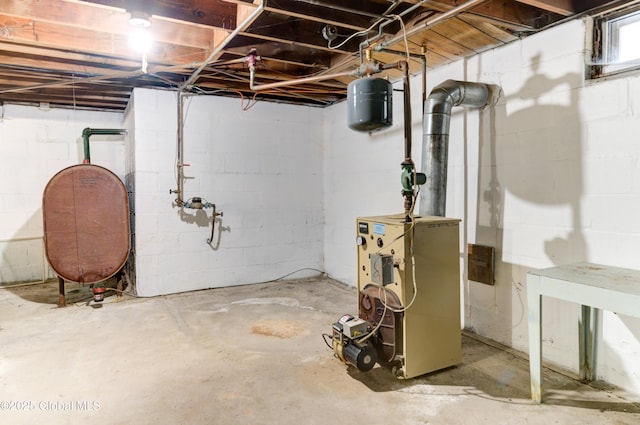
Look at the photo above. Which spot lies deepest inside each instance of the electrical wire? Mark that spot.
(324, 337)
(249, 104)
(384, 313)
(131, 294)
(411, 214)
(411, 250)
(404, 35)
(356, 34)
(296, 271)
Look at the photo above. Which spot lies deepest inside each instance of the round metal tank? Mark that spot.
(369, 104)
(85, 210)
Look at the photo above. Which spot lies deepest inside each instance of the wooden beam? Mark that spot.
(214, 13)
(103, 20)
(509, 12)
(46, 53)
(466, 35)
(79, 40)
(312, 18)
(561, 7)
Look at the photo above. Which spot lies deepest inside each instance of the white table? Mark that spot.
(594, 286)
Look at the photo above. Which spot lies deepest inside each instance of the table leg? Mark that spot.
(587, 342)
(534, 301)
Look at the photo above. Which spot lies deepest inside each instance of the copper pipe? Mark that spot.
(261, 87)
(243, 26)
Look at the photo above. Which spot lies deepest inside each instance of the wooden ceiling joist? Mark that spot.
(76, 53)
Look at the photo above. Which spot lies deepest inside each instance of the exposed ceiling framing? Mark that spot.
(73, 53)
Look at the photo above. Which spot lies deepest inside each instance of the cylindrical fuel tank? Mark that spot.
(369, 104)
(85, 209)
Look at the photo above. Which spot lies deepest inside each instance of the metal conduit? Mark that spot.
(430, 23)
(435, 141)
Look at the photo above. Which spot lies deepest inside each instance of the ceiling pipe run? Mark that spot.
(429, 23)
(269, 86)
(435, 141)
(242, 27)
(367, 68)
(179, 191)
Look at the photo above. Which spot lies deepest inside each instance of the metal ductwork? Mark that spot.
(435, 141)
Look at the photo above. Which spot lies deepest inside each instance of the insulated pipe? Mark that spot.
(88, 132)
(435, 141)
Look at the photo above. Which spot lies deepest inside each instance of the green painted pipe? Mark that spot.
(88, 132)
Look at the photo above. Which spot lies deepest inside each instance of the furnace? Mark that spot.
(408, 296)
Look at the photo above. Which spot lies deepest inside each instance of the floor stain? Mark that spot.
(279, 328)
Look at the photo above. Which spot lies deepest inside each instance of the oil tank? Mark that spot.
(369, 104)
(85, 210)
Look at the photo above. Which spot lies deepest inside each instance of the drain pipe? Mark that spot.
(88, 132)
(435, 142)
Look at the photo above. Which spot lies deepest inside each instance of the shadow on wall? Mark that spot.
(202, 218)
(22, 255)
(530, 186)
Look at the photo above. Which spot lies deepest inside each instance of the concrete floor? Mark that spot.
(250, 355)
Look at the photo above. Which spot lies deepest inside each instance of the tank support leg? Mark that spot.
(61, 301)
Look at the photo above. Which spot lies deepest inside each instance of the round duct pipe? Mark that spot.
(435, 140)
(369, 104)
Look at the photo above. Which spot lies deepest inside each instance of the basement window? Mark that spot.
(616, 46)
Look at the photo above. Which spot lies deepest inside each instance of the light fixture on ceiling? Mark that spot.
(140, 38)
(139, 19)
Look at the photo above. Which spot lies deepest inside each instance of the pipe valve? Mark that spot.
(198, 203)
(214, 214)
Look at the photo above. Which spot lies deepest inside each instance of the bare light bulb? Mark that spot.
(141, 40)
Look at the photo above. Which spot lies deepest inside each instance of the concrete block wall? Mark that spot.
(362, 177)
(547, 176)
(34, 145)
(262, 168)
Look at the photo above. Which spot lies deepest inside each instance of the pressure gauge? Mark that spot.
(361, 241)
